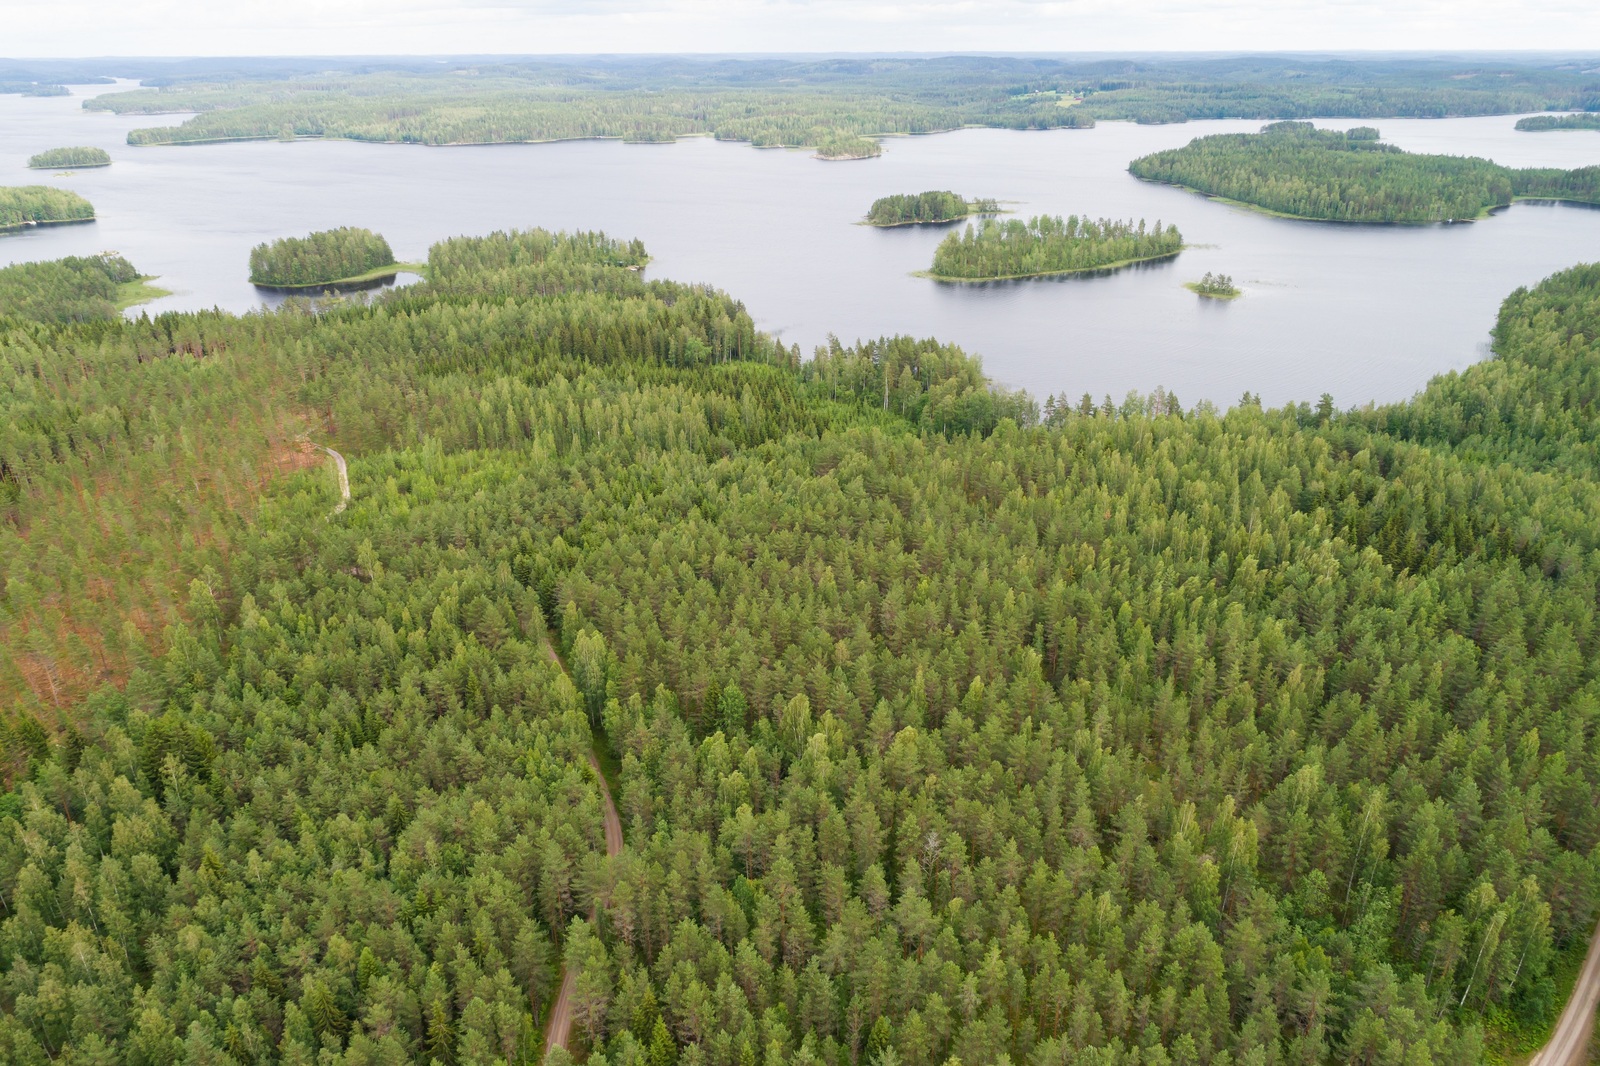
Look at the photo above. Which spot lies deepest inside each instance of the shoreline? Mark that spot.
(372, 279)
(1106, 267)
(29, 223)
(1274, 213)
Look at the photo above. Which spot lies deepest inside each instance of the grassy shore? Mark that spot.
(370, 277)
(139, 291)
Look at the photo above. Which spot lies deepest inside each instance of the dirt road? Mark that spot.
(1569, 1044)
(559, 1028)
(344, 477)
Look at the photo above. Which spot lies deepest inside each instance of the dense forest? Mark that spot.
(22, 204)
(1132, 734)
(1049, 244)
(74, 289)
(58, 158)
(32, 88)
(319, 258)
(1541, 123)
(1295, 169)
(936, 206)
(842, 144)
(773, 102)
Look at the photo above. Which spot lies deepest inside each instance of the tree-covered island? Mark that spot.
(61, 158)
(38, 205)
(910, 209)
(837, 145)
(1048, 244)
(1298, 171)
(348, 256)
(74, 289)
(1581, 120)
(1214, 287)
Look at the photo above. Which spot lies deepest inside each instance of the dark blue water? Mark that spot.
(1363, 312)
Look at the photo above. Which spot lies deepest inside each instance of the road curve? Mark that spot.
(559, 1028)
(344, 478)
(1569, 1044)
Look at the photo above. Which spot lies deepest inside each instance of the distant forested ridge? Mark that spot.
(74, 289)
(1049, 244)
(21, 204)
(935, 206)
(320, 258)
(1295, 169)
(773, 102)
(1542, 123)
(30, 88)
(56, 158)
(1134, 734)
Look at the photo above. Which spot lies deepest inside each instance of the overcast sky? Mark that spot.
(36, 28)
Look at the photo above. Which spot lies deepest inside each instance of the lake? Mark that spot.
(1362, 312)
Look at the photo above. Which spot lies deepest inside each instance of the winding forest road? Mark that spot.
(344, 478)
(1569, 1044)
(559, 1028)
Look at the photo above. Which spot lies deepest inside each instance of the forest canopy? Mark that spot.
(1048, 244)
(1131, 734)
(58, 158)
(74, 289)
(772, 102)
(22, 204)
(322, 258)
(1543, 123)
(1295, 169)
(935, 206)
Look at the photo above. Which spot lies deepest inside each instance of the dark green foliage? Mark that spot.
(1048, 244)
(60, 158)
(908, 208)
(1295, 169)
(320, 258)
(22, 204)
(74, 289)
(1542, 123)
(1141, 736)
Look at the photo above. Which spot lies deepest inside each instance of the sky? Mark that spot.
(70, 28)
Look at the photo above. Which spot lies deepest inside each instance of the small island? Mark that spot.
(344, 258)
(1214, 287)
(41, 205)
(840, 145)
(1294, 170)
(74, 289)
(915, 209)
(63, 158)
(1581, 120)
(1047, 245)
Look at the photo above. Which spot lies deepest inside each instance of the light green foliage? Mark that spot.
(322, 257)
(74, 289)
(1141, 735)
(60, 158)
(1049, 244)
(842, 144)
(22, 204)
(1293, 168)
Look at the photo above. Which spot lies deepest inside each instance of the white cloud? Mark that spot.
(290, 27)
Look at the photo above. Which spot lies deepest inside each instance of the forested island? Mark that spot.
(1048, 244)
(61, 158)
(772, 102)
(74, 289)
(909, 209)
(28, 205)
(937, 730)
(1214, 287)
(1299, 171)
(1586, 120)
(840, 145)
(348, 256)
